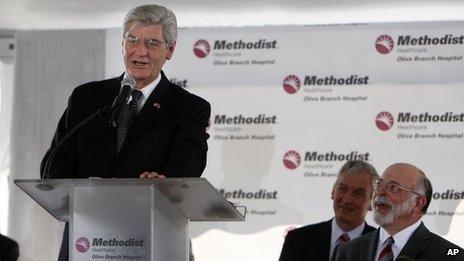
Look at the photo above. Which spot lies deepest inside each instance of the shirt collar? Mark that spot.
(400, 238)
(337, 231)
(147, 90)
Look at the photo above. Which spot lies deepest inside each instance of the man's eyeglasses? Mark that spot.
(391, 187)
(149, 43)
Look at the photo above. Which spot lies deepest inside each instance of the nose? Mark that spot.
(141, 49)
(348, 198)
(380, 191)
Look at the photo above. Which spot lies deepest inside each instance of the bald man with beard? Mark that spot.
(400, 200)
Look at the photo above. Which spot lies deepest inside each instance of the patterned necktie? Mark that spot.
(387, 253)
(127, 118)
(344, 238)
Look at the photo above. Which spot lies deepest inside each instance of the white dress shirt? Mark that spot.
(146, 91)
(400, 239)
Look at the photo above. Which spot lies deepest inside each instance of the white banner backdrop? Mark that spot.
(291, 104)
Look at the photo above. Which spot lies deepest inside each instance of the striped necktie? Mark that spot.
(127, 118)
(344, 238)
(387, 253)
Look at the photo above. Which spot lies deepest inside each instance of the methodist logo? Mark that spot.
(291, 84)
(384, 44)
(384, 121)
(82, 244)
(201, 48)
(292, 159)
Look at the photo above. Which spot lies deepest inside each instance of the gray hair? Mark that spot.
(153, 15)
(358, 166)
(424, 187)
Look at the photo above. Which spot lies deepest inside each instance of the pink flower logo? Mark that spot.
(292, 159)
(201, 48)
(384, 121)
(291, 84)
(384, 44)
(82, 244)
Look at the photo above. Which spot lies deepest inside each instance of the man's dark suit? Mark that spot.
(168, 136)
(9, 249)
(310, 242)
(422, 245)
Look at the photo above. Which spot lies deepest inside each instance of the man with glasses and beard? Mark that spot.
(351, 195)
(400, 200)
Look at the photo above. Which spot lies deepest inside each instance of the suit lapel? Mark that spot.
(114, 88)
(113, 91)
(369, 246)
(100, 126)
(324, 239)
(416, 244)
(367, 229)
(157, 103)
(99, 136)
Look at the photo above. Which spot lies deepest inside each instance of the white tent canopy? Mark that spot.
(69, 14)
(52, 57)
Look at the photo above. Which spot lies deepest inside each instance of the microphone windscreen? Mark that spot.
(128, 81)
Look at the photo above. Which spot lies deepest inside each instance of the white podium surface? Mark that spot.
(130, 219)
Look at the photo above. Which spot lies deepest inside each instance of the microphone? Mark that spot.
(127, 84)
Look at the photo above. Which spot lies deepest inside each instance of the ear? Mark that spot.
(420, 203)
(332, 194)
(170, 51)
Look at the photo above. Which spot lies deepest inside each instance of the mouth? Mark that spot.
(139, 63)
(382, 206)
(346, 208)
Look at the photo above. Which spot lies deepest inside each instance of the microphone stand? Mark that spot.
(48, 163)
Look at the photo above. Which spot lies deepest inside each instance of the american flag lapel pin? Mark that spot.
(157, 105)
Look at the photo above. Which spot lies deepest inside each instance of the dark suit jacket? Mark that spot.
(9, 249)
(422, 245)
(310, 242)
(168, 136)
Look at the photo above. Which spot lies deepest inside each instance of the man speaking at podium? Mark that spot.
(151, 128)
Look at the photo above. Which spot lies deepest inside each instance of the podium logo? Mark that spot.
(292, 159)
(201, 48)
(291, 84)
(82, 244)
(384, 44)
(384, 121)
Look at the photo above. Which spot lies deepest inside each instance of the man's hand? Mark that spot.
(151, 175)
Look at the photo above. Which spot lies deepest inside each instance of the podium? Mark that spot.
(130, 219)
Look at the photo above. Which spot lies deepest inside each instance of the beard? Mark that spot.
(395, 211)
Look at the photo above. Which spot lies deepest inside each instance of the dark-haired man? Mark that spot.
(351, 195)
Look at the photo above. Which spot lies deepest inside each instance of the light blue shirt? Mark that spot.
(337, 232)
